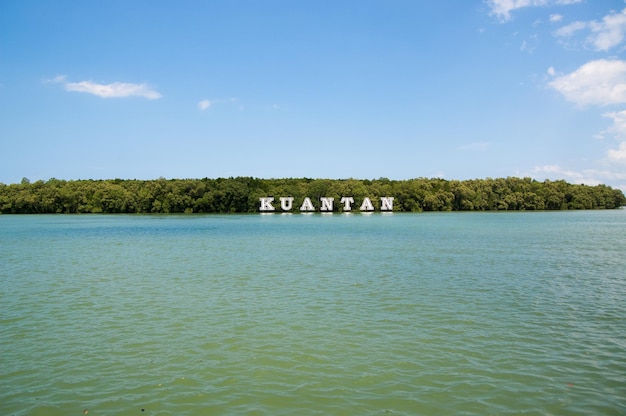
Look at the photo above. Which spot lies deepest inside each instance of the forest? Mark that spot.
(241, 194)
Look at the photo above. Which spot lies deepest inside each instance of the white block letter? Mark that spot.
(286, 203)
(266, 204)
(386, 203)
(347, 201)
(367, 205)
(327, 204)
(307, 205)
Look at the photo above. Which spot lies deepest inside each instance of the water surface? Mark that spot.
(321, 314)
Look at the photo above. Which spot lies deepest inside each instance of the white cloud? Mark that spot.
(527, 47)
(556, 172)
(551, 71)
(59, 79)
(113, 90)
(609, 32)
(607, 86)
(586, 176)
(618, 129)
(569, 30)
(606, 34)
(600, 82)
(555, 18)
(204, 104)
(618, 155)
(553, 169)
(502, 8)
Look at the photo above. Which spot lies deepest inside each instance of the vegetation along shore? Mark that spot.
(242, 194)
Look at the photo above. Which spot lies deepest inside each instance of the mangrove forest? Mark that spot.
(242, 194)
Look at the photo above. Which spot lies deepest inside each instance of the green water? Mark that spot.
(399, 314)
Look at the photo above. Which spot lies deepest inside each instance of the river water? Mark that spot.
(314, 314)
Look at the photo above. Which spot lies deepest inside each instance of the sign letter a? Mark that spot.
(307, 205)
(367, 205)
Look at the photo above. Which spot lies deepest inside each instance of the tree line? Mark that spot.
(242, 194)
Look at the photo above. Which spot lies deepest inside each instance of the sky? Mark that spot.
(400, 89)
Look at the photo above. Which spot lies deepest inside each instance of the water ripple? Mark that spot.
(471, 314)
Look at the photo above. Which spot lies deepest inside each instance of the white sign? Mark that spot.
(326, 204)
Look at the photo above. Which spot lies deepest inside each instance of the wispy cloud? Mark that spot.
(530, 45)
(618, 128)
(204, 104)
(586, 176)
(601, 82)
(619, 154)
(609, 32)
(556, 171)
(502, 8)
(112, 90)
(604, 35)
(569, 29)
(555, 17)
(618, 131)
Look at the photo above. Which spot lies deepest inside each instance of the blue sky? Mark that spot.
(458, 89)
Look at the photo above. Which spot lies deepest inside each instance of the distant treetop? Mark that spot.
(242, 194)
